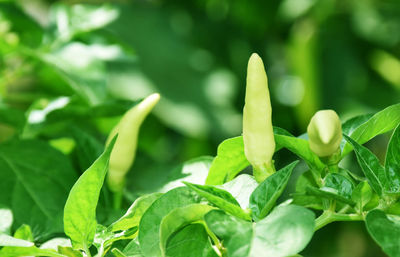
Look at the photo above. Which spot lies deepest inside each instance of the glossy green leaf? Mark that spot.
(135, 212)
(179, 218)
(336, 187)
(361, 195)
(379, 123)
(68, 251)
(241, 188)
(352, 124)
(230, 160)
(104, 238)
(55, 243)
(385, 230)
(133, 249)
(6, 240)
(392, 163)
(221, 199)
(192, 171)
(24, 232)
(27, 251)
(369, 163)
(149, 227)
(118, 253)
(37, 179)
(327, 194)
(191, 241)
(80, 209)
(300, 197)
(301, 148)
(263, 199)
(338, 184)
(14, 247)
(286, 231)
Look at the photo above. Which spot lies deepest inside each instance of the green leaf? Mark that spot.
(68, 251)
(80, 208)
(135, 212)
(328, 195)
(6, 240)
(55, 243)
(118, 253)
(192, 171)
(392, 163)
(24, 232)
(352, 124)
(221, 199)
(338, 184)
(300, 197)
(104, 238)
(88, 148)
(149, 227)
(361, 195)
(37, 179)
(191, 241)
(286, 231)
(230, 160)
(241, 188)
(14, 247)
(80, 18)
(369, 163)
(379, 123)
(336, 187)
(179, 218)
(6, 220)
(385, 230)
(133, 249)
(263, 199)
(301, 148)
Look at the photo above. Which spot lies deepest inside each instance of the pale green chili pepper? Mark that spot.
(325, 133)
(258, 135)
(123, 153)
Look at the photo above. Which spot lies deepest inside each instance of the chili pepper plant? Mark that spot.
(214, 209)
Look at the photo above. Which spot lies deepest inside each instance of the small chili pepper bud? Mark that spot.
(325, 133)
(123, 153)
(258, 135)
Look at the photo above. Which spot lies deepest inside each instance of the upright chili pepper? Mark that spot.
(258, 135)
(123, 153)
(324, 133)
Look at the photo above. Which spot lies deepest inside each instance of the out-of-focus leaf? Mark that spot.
(37, 178)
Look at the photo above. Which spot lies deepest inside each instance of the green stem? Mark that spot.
(214, 238)
(263, 171)
(87, 251)
(329, 217)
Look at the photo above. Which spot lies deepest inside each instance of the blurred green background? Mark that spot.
(73, 67)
